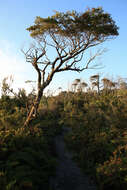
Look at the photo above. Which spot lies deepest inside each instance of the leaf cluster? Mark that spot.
(92, 22)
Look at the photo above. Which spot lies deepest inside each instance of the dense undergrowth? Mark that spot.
(26, 156)
(99, 135)
(98, 138)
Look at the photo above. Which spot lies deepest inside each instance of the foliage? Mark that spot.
(68, 35)
(98, 136)
(71, 23)
(27, 159)
(112, 174)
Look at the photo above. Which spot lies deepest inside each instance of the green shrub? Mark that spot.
(98, 134)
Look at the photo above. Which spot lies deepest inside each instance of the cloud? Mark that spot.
(12, 63)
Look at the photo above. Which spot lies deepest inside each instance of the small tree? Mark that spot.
(95, 79)
(68, 35)
(79, 85)
(84, 85)
(74, 85)
(122, 83)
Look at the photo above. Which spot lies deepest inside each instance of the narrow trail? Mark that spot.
(68, 174)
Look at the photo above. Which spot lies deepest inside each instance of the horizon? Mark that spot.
(17, 16)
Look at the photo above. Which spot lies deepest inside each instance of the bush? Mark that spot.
(25, 159)
(98, 134)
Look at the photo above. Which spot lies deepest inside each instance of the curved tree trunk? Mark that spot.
(33, 111)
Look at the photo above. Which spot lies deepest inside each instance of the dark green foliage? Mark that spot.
(98, 137)
(94, 21)
(26, 157)
(12, 112)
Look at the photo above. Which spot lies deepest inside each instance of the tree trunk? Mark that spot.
(33, 111)
(98, 88)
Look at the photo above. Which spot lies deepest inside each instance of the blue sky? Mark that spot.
(16, 16)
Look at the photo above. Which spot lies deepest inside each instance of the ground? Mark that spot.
(68, 174)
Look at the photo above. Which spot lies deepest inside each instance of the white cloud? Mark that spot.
(11, 63)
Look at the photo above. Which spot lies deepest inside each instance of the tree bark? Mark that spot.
(33, 111)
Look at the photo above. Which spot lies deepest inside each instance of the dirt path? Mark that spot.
(68, 174)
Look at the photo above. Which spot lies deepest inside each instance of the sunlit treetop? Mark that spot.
(69, 35)
(93, 21)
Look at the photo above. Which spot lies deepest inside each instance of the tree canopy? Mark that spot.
(68, 35)
(93, 22)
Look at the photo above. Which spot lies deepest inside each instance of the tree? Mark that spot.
(122, 84)
(79, 85)
(75, 84)
(6, 86)
(68, 35)
(95, 79)
(84, 85)
(108, 85)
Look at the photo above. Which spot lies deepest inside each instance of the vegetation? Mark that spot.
(98, 137)
(97, 114)
(26, 155)
(69, 36)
